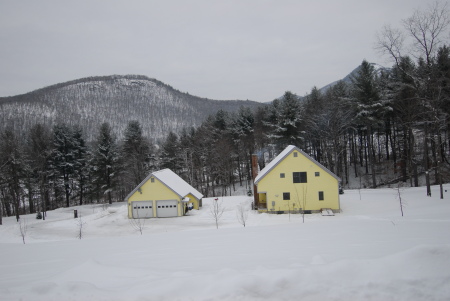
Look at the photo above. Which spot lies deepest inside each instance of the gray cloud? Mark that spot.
(254, 49)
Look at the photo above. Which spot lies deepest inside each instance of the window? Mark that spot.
(152, 180)
(286, 196)
(299, 177)
(321, 198)
(282, 175)
(295, 154)
(317, 174)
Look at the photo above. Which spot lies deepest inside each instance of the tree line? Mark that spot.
(55, 167)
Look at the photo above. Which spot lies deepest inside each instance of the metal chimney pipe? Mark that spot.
(254, 174)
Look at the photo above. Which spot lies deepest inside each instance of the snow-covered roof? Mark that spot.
(283, 155)
(173, 182)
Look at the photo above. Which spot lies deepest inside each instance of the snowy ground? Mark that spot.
(367, 252)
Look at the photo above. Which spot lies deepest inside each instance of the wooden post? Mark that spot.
(75, 213)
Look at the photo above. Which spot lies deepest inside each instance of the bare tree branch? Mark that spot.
(216, 210)
(426, 28)
(390, 42)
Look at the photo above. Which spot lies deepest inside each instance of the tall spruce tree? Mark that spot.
(288, 129)
(80, 167)
(170, 155)
(106, 162)
(136, 154)
(368, 107)
(63, 161)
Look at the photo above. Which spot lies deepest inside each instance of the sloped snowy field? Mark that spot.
(367, 252)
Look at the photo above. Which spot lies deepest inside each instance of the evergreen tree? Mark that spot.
(222, 153)
(186, 155)
(170, 153)
(38, 154)
(63, 161)
(287, 129)
(80, 167)
(316, 124)
(106, 162)
(12, 166)
(244, 141)
(136, 154)
(406, 114)
(369, 107)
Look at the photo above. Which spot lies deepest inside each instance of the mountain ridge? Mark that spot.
(116, 99)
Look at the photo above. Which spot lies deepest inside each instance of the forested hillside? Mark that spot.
(89, 102)
(382, 126)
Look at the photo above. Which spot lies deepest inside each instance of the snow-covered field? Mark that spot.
(367, 252)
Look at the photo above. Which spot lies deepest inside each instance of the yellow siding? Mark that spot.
(153, 192)
(274, 186)
(194, 201)
(262, 197)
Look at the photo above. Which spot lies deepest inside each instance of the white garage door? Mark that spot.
(142, 209)
(166, 208)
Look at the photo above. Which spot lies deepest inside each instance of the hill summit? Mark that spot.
(116, 99)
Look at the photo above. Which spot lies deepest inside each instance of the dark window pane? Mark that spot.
(299, 177)
(321, 196)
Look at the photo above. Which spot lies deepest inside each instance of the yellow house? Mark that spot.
(162, 194)
(294, 181)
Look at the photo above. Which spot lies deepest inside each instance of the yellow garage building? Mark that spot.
(162, 194)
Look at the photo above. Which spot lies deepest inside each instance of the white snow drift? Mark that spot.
(367, 252)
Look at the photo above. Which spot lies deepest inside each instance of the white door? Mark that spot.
(142, 209)
(167, 208)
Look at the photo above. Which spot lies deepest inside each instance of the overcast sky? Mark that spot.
(228, 49)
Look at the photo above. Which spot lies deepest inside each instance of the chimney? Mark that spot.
(254, 174)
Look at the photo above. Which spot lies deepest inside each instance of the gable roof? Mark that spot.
(172, 181)
(283, 155)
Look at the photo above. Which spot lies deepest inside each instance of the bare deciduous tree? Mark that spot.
(138, 223)
(242, 213)
(302, 199)
(79, 223)
(426, 29)
(23, 227)
(216, 210)
(399, 197)
(390, 42)
(304, 194)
